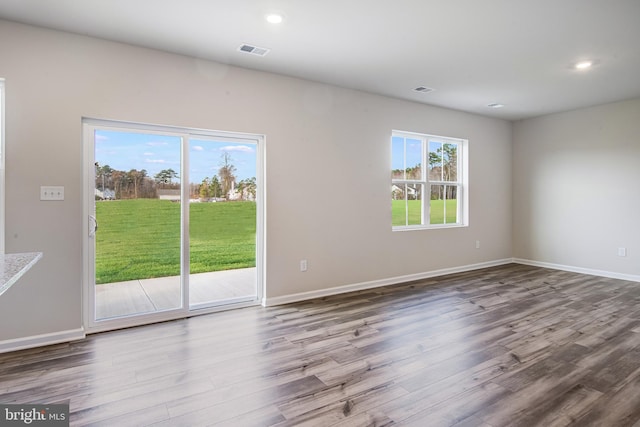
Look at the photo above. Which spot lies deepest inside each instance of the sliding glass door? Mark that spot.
(174, 222)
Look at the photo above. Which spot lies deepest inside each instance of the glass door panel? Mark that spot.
(137, 209)
(222, 221)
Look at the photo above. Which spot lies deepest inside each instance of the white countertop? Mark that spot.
(13, 267)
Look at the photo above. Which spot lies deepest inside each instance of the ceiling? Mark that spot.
(519, 53)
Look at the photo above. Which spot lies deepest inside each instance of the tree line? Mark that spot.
(443, 166)
(137, 184)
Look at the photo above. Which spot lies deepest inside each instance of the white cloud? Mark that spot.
(197, 148)
(155, 161)
(100, 138)
(240, 148)
(157, 144)
(148, 153)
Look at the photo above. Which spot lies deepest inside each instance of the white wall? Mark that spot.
(328, 159)
(577, 188)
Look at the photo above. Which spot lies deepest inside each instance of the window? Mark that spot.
(428, 181)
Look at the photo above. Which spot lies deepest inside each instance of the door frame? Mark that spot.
(91, 325)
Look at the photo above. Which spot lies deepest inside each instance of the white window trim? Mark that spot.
(462, 182)
(2, 163)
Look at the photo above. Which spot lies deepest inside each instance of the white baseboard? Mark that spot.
(302, 296)
(78, 334)
(41, 340)
(590, 271)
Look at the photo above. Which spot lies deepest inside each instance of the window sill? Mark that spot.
(427, 227)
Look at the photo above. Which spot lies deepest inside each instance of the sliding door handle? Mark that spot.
(93, 225)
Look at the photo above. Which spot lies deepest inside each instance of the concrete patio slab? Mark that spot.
(159, 294)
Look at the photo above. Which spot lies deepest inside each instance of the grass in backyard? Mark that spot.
(437, 212)
(140, 238)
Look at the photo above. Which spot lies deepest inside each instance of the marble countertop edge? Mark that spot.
(14, 266)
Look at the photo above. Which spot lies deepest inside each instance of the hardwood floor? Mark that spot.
(505, 346)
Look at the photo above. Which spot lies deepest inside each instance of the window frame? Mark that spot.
(2, 164)
(427, 183)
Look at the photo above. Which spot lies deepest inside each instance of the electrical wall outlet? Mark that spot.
(303, 265)
(477, 244)
(622, 251)
(49, 193)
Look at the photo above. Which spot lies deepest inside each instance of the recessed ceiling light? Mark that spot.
(583, 65)
(495, 105)
(274, 18)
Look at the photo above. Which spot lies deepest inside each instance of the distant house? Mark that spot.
(235, 194)
(169, 194)
(105, 194)
(398, 192)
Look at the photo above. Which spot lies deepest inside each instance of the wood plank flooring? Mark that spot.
(506, 346)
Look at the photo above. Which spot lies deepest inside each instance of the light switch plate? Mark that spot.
(49, 193)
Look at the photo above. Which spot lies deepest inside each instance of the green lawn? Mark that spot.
(140, 238)
(398, 212)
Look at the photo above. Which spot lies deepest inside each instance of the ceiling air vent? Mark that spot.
(423, 89)
(254, 50)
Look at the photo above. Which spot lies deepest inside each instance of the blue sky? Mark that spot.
(414, 152)
(129, 150)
